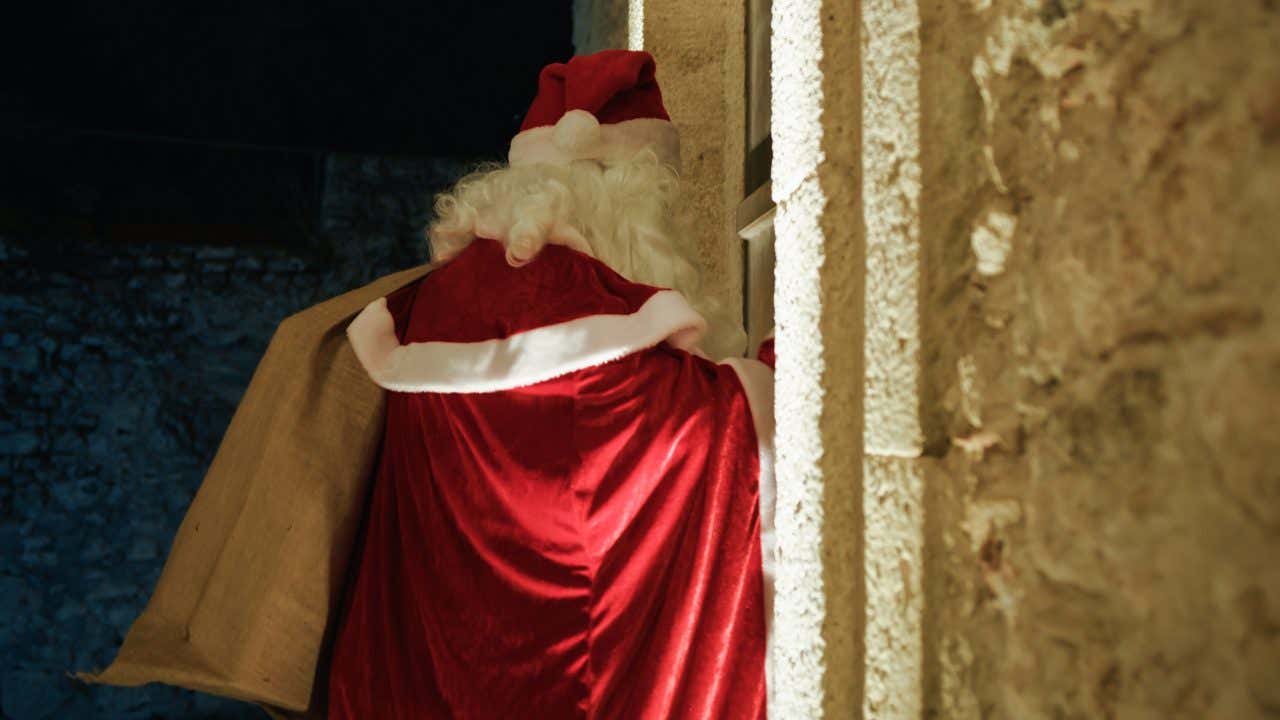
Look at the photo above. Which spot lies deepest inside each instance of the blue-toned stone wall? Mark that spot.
(121, 365)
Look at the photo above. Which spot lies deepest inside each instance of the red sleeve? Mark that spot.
(399, 303)
(766, 355)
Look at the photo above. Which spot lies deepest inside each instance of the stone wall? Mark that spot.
(1101, 359)
(121, 366)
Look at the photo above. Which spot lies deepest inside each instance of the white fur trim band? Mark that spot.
(577, 136)
(521, 359)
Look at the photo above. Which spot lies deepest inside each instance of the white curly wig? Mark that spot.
(623, 213)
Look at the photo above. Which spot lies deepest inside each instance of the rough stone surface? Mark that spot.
(1101, 359)
(818, 301)
(894, 546)
(891, 209)
(120, 367)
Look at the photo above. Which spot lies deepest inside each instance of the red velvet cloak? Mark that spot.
(571, 515)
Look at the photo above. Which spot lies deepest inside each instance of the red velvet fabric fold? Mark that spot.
(586, 547)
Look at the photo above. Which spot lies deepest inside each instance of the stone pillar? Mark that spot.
(893, 499)
(819, 613)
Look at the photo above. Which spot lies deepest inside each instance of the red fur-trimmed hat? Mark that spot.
(603, 106)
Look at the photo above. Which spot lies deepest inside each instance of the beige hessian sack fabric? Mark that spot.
(256, 571)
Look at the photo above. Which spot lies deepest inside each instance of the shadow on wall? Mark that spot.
(121, 365)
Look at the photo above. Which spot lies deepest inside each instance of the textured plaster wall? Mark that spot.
(819, 613)
(893, 483)
(1101, 358)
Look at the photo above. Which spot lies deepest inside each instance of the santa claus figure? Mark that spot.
(567, 517)
(513, 484)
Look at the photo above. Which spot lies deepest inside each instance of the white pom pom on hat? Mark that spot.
(577, 132)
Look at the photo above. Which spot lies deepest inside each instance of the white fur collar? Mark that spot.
(522, 358)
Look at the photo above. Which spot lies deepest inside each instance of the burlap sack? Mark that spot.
(245, 604)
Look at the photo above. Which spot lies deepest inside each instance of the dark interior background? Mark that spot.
(149, 111)
(175, 178)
